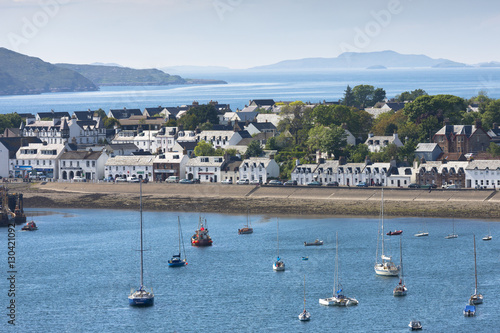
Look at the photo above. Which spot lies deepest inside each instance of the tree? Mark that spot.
(204, 148)
(110, 123)
(231, 151)
(378, 96)
(366, 95)
(297, 121)
(493, 149)
(348, 99)
(198, 115)
(491, 114)
(254, 149)
(410, 96)
(271, 144)
(100, 113)
(325, 139)
(11, 120)
(439, 106)
(358, 153)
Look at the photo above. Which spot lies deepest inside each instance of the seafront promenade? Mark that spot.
(276, 200)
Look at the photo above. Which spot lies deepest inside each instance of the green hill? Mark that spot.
(21, 74)
(124, 76)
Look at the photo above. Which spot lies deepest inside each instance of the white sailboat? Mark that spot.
(304, 315)
(453, 234)
(400, 289)
(488, 237)
(422, 233)
(386, 267)
(338, 299)
(278, 265)
(141, 297)
(476, 298)
(176, 260)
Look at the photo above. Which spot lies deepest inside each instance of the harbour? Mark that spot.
(88, 258)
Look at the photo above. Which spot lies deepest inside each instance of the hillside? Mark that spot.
(124, 76)
(389, 59)
(21, 74)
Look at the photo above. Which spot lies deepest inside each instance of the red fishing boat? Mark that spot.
(394, 233)
(201, 236)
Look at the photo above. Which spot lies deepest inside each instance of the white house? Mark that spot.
(145, 140)
(220, 139)
(400, 177)
(327, 172)
(483, 174)
(41, 158)
(83, 163)
(351, 174)
(8, 150)
(129, 166)
(257, 168)
(205, 168)
(376, 143)
(304, 173)
(376, 173)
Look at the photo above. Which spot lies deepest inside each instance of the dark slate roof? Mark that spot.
(153, 111)
(188, 145)
(125, 113)
(84, 115)
(13, 144)
(263, 102)
(233, 165)
(81, 155)
(244, 134)
(52, 115)
(264, 126)
(126, 146)
(395, 106)
(26, 115)
(449, 130)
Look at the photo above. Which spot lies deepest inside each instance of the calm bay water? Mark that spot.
(75, 273)
(247, 85)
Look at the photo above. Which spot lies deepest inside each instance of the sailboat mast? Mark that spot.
(179, 231)
(336, 276)
(278, 235)
(382, 218)
(401, 257)
(475, 266)
(140, 205)
(304, 292)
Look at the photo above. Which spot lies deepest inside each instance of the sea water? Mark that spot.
(74, 274)
(243, 86)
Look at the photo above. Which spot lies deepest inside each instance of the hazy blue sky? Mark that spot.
(246, 33)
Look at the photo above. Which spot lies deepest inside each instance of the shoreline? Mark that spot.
(237, 199)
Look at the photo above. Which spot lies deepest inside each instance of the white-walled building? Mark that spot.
(304, 173)
(257, 168)
(169, 164)
(41, 158)
(376, 143)
(8, 149)
(205, 168)
(483, 174)
(220, 139)
(85, 163)
(129, 166)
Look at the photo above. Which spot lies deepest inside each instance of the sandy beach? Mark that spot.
(236, 199)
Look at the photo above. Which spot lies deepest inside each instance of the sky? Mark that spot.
(246, 33)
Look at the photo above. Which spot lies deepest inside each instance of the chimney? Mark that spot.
(370, 135)
(342, 160)
(446, 121)
(478, 123)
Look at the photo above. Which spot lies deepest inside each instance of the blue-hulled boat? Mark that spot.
(141, 297)
(469, 311)
(176, 260)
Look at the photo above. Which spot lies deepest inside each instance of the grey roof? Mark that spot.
(81, 155)
(426, 147)
(84, 115)
(13, 144)
(483, 165)
(125, 113)
(448, 130)
(264, 126)
(53, 115)
(263, 102)
(395, 106)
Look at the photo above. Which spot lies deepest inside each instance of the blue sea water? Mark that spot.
(243, 86)
(76, 271)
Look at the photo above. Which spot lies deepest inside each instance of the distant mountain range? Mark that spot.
(363, 60)
(21, 74)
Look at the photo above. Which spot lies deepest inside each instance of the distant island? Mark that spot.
(362, 60)
(376, 67)
(23, 75)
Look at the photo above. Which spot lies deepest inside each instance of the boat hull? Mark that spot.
(245, 231)
(451, 236)
(140, 301)
(201, 242)
(176, 263)
(394, 233)
(421, 234)
(336, 301)
(316, 243)
(476, 299)
(279, 266)
(305, 316)
(487, 238)
(415, 326)
(470, 311)
(399, 292)
(385, 270)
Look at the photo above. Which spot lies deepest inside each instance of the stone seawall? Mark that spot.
(295, 200)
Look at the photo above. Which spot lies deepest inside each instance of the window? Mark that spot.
(64, 163)
(93, 163)
(88, 164)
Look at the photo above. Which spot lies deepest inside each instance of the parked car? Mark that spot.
(227, 181)
(290, 183)
(413, 185)
(133, 180)
(451, 187)
(274, 182)
(255, 182)
(362, 184)
(120, 179)
(428, 186)
(314, 183)
(172, 179)
(186, 181)
(79, 179)
(334, 184)
(243, 181)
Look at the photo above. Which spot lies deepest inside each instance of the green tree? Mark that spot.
(100, 113)
(366, 95)
(358, 153)
(439, 106)
(491, 114)
(204, 148)
(349, 99)
(198, 115)
(11, 120)
(326, 139)
(297, 121)
(231, 151)
(410, 96)
(110, 123)
(171, 123)
(493, 149)
(254, 149)
(378, 96)
(271, 144)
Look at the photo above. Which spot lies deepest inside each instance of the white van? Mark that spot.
(172, 179)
